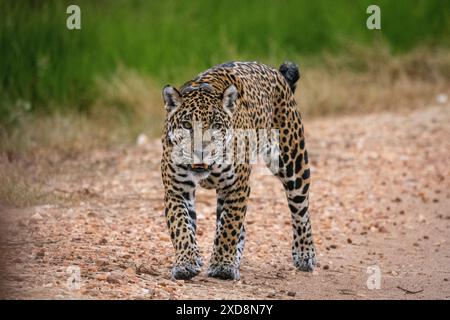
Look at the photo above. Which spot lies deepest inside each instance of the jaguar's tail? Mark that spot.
(290, 72)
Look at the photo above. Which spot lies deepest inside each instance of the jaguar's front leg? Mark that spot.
(230, 231)
(181, 221)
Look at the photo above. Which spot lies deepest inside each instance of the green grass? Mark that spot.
(45, 68)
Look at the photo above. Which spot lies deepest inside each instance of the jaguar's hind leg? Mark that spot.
(294, 173)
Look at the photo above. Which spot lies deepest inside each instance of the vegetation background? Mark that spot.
(46, 67)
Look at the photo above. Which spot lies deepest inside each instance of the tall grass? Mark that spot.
(45, 67)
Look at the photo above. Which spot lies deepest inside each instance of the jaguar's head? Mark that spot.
(199, 124)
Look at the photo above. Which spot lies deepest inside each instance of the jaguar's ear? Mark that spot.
(229, 98)
(172, 98)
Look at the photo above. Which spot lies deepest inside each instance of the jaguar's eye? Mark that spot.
(186, 125)
(215, 126)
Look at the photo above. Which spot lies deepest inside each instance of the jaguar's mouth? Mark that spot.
(200, 168)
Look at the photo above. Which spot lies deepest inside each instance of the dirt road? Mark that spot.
(380, 199)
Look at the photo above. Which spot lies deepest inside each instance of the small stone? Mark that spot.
(291, 293)
(130, 271)
(40, 254)
(349, 241)
(103, 241)
(36, 218)
(145, 291)
(441, 98)
(114, 277)
(144, 269)
(326, 267)
(91, 214)
(142, 139)
(101, 276)
(163, 237)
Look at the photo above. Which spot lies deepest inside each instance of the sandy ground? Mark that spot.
(380, 199)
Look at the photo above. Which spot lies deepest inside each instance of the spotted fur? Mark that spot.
(235, 95)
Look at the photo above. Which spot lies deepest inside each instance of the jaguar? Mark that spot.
(230, 100)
